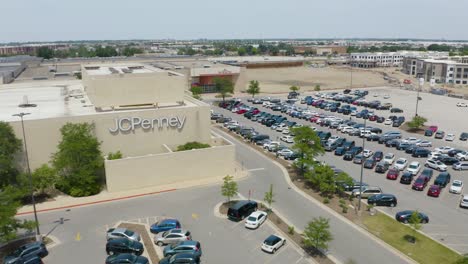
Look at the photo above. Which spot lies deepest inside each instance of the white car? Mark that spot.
(287, 139)
(285, 131)
(462, 155)
(412, 140)
(347, 129)
(435, 164)
(333, 139)
(388, 121)
(280, 127)
(353, 113)
(456, 187)
(461, 165)
(272, 145)
(273, 243)
(367, 153)
(389, 158)
(386, 96)
(414, 167)
(424, 143)
(401, 164)
(464, 201)
(255, 219)
(449, 137)
(462, 105)
(444, 150)
(285, 152)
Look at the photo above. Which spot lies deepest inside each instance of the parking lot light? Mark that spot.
(362, 166)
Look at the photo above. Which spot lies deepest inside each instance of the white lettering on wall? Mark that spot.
(127, 124)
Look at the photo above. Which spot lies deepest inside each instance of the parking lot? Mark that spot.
(446, 218)
(222, 241)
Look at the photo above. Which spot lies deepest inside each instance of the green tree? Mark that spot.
(44, 178)
(130, 51)
(415, 223)
(224, 86)
(9, 204)
(307, 145)
(229, 187)
(417, 122)
(254, 88)
(294, 88)
(326, 179)
(269, 197)
(342, 180)
(463, 260)
(241, 51)
(78, 161)
(45, 52)
(9, 146)
(196, 91)
(317, 233)
(114, 155)
(317, 87)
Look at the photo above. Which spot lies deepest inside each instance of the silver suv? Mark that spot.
(172, 236)
(114, 233)
(367, 191)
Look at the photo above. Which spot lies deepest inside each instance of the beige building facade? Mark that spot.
(146, 128)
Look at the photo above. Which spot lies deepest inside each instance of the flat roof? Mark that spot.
(94, 70)
(215, 70)
(257, 59)
(52, 100)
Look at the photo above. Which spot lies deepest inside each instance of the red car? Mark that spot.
(433, 128)
(373, 117)
(314, 119)
(241, 111)
(434, 191)
(255, 111)
(392, 174)
(419, 184)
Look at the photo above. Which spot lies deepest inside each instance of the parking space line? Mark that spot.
(236, 225)
(299, 260)
(275, 255)
(257, 169)
(442, 234)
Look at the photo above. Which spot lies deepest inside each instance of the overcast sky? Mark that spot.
(50, 20)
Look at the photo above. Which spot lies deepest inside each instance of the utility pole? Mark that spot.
(362, 166)
(38, 233)
(421, 81)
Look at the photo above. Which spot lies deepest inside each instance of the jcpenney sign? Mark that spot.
(127, 124)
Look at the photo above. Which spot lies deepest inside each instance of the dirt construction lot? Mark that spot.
(277, 80)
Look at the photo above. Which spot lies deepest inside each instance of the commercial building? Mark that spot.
(388, 59)
(452, 70)
(321, 50)
(204, 77)
(251, 62)
(27, 48)
(142, 111)
(10, 70)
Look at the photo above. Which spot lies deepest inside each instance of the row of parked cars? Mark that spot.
(124, 246)
(253, 218)
(30, 253)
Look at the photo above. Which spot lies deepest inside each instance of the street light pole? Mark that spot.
(417, 98)
(21, 115)
(362, 166)
(351, 70)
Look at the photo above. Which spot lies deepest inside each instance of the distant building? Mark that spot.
(388, 59)
(27, 49)
(320, 50)
(10, 70)
(452, 70)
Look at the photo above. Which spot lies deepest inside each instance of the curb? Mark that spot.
(331, 211)
(96, 202)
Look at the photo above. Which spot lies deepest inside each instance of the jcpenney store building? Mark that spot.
(142, 111)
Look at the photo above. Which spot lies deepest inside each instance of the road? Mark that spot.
(447, 220)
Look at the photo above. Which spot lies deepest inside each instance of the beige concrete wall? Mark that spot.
(44, 135)
(240, 82)
(159, 169)
(134, 89)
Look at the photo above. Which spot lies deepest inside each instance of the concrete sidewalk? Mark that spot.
(65, 201)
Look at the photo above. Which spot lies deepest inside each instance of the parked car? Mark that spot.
(419, 184)
(186, 258)
(366, 191)
(124, 245)
(447, 160)
(241, 210)
(378, 156)
(450, 137)
(401, 164)
(442, 179)
(462, 165)
(26, 252)
(464, 201)
(381, 167)
(190, 246)
(287, 139)
(172, 236)
(404, 216)
(463, 136)
(462, 155)
(126, 258)
(434, 190)
(120, 232)
(369, 163)
(339, 151)
(383, 200)
(389, 158)
(439, 134)
(255, 219)
(393, 174)
(444, 150)
(420, 152)
(414, 167)
(456, 187)
(367, 153)
(428, 133)
(396, 110)
(273, 243)
(164, 225)
(406, 178)
(358, 159)
(435, 164)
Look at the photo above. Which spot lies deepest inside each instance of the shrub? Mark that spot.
(291, 230)
(114, 156)
(326, 200)
(192, 145)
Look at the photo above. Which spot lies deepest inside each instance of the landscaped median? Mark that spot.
(424, 250)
